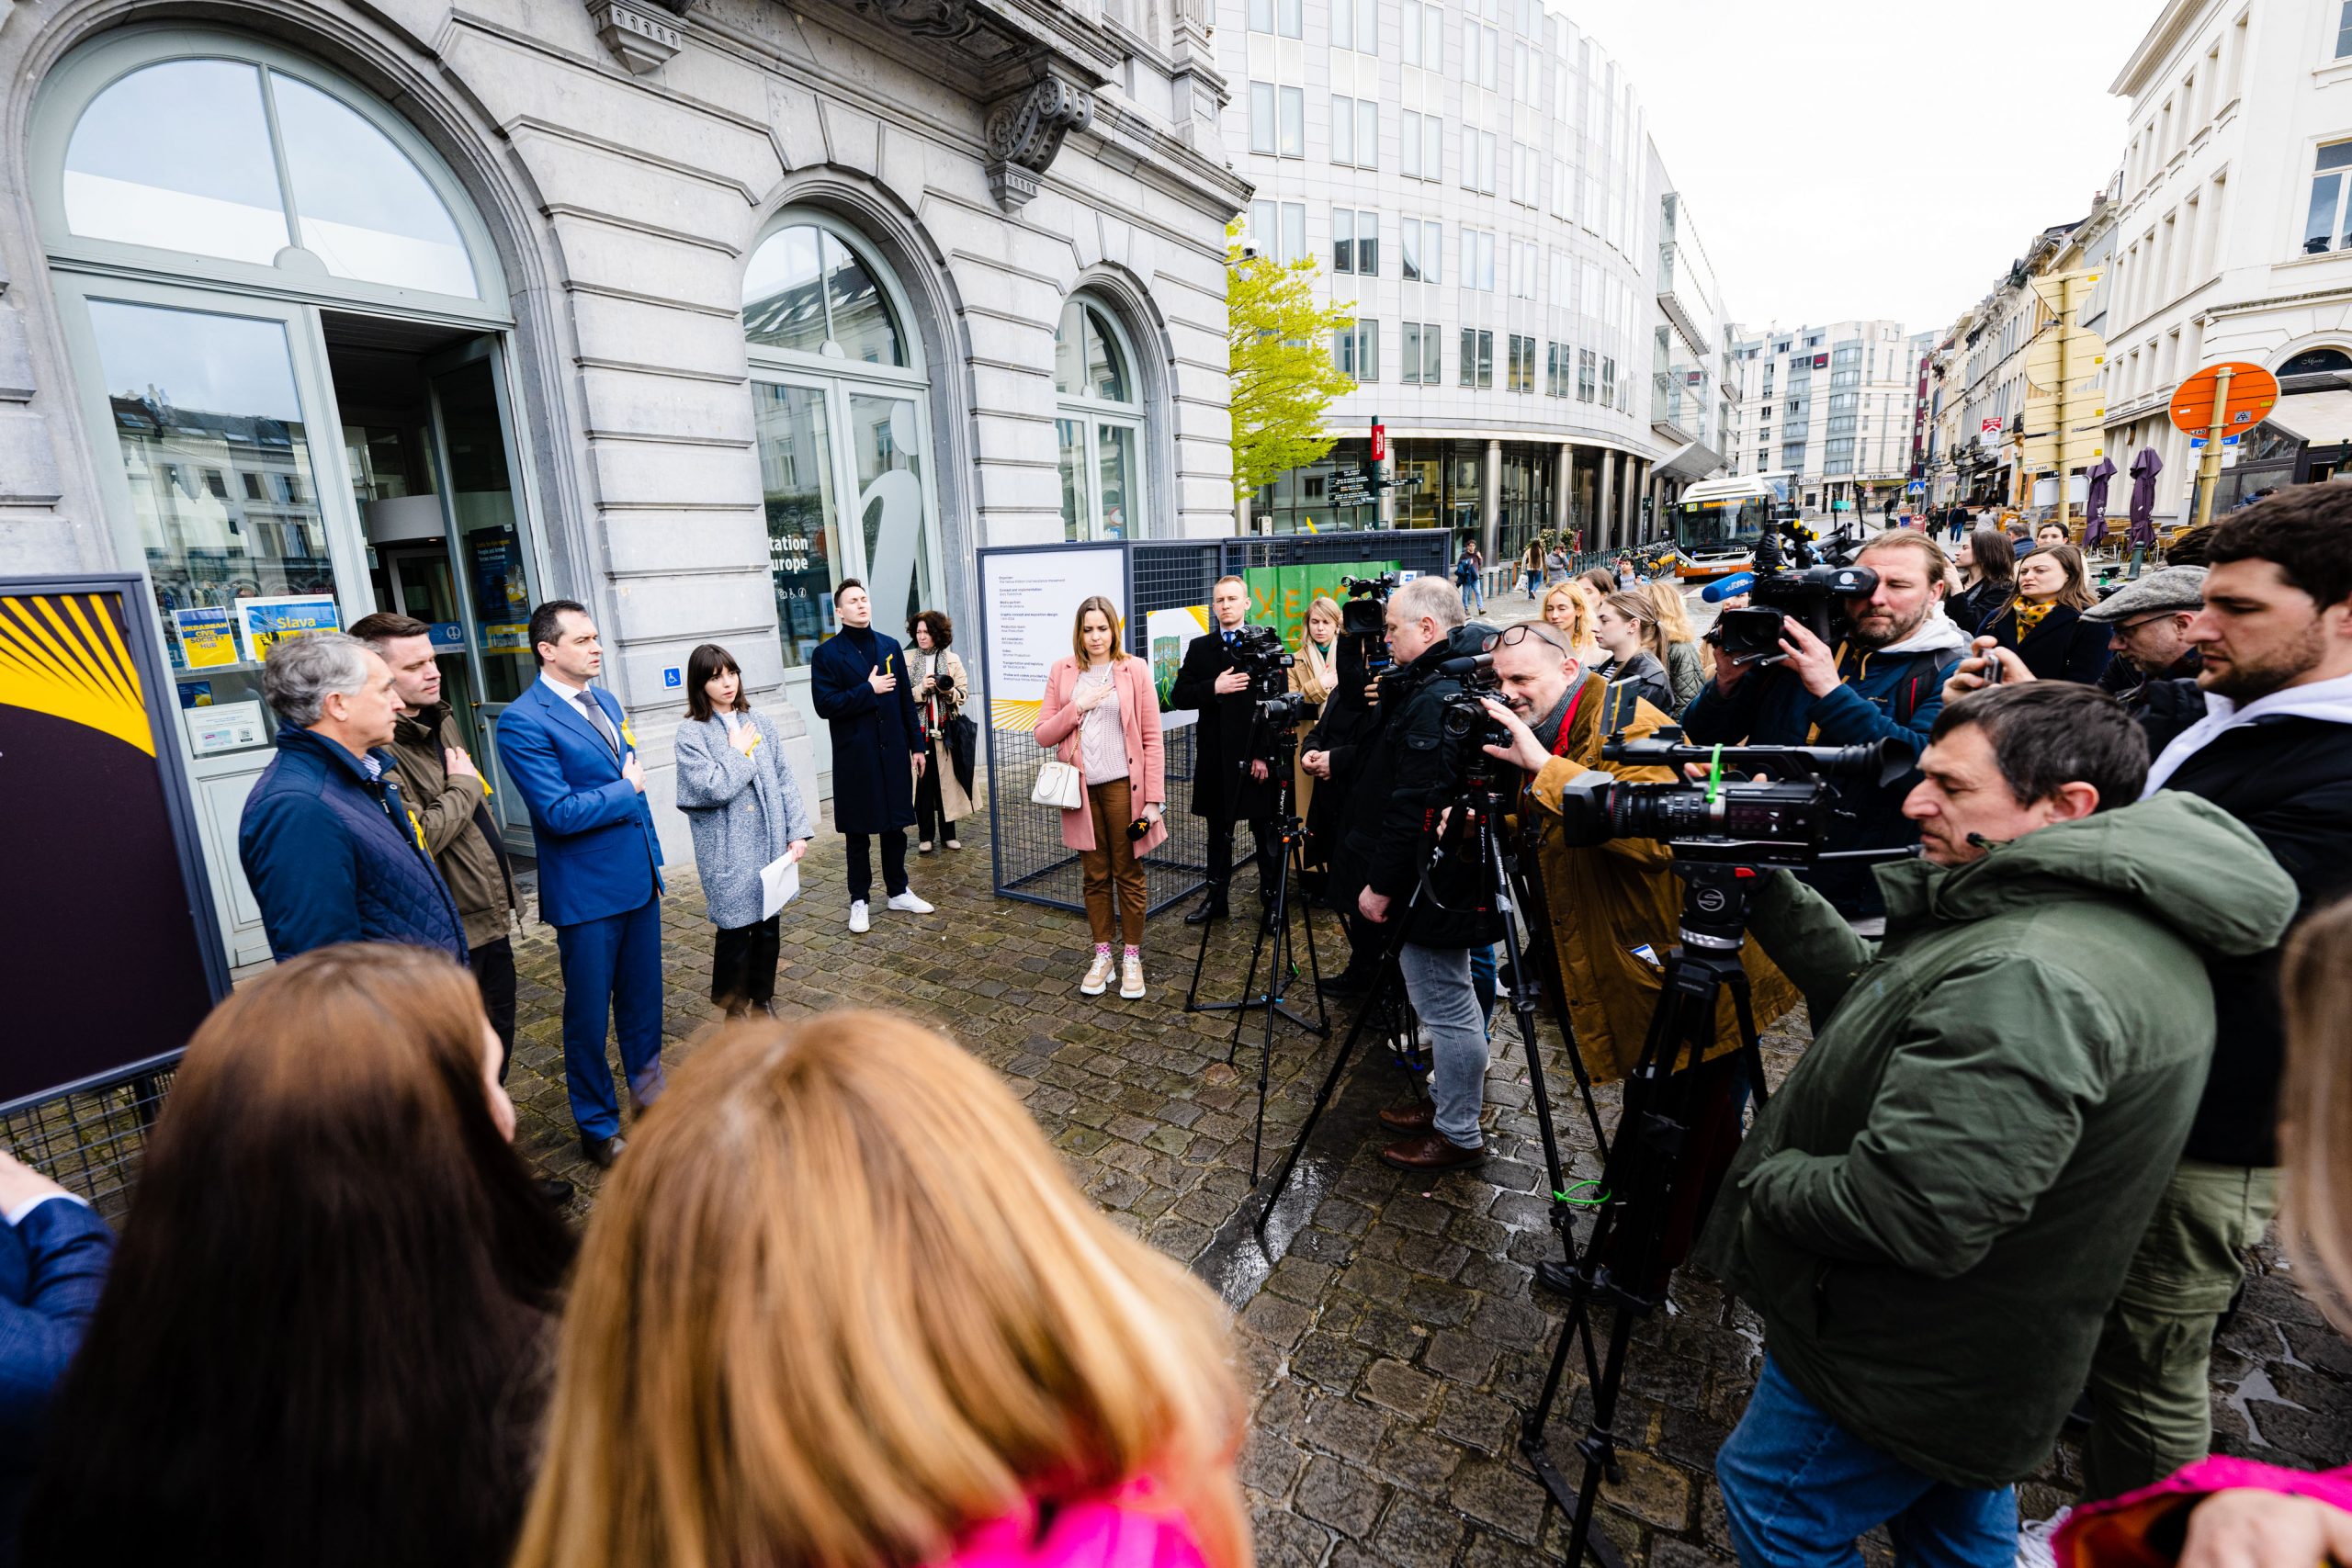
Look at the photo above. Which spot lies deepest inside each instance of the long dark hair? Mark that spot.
(703, 665)
(1995, 558)
(326, 1335)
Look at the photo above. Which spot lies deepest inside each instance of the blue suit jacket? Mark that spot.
(53, 1269)
(598, 855)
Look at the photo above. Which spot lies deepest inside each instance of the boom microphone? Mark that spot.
(1738, 582)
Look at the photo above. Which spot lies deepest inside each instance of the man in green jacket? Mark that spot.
(1934, 1212)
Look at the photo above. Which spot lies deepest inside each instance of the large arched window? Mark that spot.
(288, 331)
(1098, 424)
(840, 407)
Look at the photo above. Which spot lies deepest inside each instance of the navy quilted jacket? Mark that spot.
(332, 855)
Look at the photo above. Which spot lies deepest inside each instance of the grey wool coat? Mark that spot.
(745, 812)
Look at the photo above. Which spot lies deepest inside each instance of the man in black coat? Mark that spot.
(2274, 749)
(1408, 777)
(1228, 784)
(857, 680)
(1333, 752)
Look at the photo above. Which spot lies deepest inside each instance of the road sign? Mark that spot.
(1914, 488)
(2254, 392)
(2197, 441)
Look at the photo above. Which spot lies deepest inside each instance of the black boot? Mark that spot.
(1211, 907)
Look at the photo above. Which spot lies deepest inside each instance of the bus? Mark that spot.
(1718, 522)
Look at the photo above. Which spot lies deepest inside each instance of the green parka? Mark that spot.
(1934, 1212)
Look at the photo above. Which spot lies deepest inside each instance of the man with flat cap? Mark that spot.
(2156, 674)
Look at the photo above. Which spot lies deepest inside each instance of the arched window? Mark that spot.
(262, 166)
(2316, 361)
(840, 419)
(1098, 425)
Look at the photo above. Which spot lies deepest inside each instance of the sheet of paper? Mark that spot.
(779, 884)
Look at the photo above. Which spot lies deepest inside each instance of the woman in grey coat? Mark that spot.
(745, 810)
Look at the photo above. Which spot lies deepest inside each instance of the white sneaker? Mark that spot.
(857, 919)
(2037, 1540)
(1131, 977)
(1098, 975)
(907, 904)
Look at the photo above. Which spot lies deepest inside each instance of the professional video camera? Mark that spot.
(1469, 728)
(1258, 652)
(1364, 616)
(1784, 821)
(1796, 583)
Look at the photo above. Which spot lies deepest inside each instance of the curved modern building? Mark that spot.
(1536, 323)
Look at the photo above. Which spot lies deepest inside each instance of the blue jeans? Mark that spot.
(1800, 1489)
(1474, 594)
(1437, 980)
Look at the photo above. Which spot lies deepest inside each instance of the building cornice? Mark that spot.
(2156, 47)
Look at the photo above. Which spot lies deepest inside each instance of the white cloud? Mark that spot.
(1875, 158)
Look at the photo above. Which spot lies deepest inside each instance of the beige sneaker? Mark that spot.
(1131, 977)
(1097, 977)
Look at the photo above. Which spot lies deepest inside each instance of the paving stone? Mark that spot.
(1341, 1495)
(1400, 1388)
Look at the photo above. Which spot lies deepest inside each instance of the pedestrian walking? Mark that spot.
(2044, 623)
(575, 762)
(1555, 565)
(327, 839)
(1102, 715)
(446, 790)
(941, 688)
(746, 813)
(1530, 566)
(325, 1335)
(856, 1247)
(1468, 574)
(1686, 671)
(858, 683)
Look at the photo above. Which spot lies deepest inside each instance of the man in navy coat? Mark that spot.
(857, 681)
(574, 763)
(53, 1258)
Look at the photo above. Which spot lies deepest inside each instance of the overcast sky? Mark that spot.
(1860, 159)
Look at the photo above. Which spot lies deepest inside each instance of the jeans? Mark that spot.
(2150, 1377)
(1474, 593)
(1437, 980)
(861, 864)
(1800, 1489)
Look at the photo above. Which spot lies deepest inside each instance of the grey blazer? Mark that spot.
(744, 811)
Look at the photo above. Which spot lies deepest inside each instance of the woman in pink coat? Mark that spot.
(1102, 714)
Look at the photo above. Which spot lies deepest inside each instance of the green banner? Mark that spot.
(1279, 595)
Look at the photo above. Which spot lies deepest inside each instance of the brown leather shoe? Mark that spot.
(1415, 1117)
(1432, 1152)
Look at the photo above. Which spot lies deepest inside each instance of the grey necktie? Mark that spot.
(596, 717)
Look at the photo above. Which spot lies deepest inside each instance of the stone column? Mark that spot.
(1604, 515)
(1491, 502)
(1564, 480)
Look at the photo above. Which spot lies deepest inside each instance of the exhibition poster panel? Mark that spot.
(1032, 599)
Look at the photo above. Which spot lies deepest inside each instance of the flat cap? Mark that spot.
(2159, 592)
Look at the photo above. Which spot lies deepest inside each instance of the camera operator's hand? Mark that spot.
(1525, 752)
(1811, 659)
(1372, 694)
(1373, 906)
(1232, 681)
(1318, 763)
(1258, 770)
(1969, 674)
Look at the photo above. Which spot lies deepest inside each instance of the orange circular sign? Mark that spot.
(2254, 392)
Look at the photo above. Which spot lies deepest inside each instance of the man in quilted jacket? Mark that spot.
(329, 843)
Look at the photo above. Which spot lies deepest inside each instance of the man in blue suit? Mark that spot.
(574, 763)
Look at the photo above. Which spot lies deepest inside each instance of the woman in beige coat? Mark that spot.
(941, 690)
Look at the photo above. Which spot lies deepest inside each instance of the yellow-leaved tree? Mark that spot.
(1280, 356)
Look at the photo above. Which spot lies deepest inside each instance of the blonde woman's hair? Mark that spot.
(2315, 1120)
(842, 1301)
(1322, 604)
(1673, 616)
(1078, 629)
(1580, 606)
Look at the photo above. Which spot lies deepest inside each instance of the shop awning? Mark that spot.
(1692, 460)
(2322, 419)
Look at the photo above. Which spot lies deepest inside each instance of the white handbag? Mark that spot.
(1059, 785)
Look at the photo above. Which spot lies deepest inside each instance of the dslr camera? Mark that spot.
(1795, 584)
(1782, 821)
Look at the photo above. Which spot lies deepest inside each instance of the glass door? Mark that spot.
(489, 552)
(240, 513)
(424, 588)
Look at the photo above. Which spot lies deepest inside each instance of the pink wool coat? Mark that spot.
(1058, 722)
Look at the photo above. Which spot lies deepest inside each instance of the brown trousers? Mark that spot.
(1111, 862)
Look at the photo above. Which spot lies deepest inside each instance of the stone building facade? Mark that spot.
(684, 314)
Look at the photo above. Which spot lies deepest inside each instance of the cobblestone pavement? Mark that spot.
(1395, 1342)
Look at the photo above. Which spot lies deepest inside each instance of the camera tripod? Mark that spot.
(1284, 967)
(1475, 815)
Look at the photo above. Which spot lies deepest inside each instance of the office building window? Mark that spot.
(1523, 364)
(1423, 35)
(1343, 130)
(1420, 142)
(1524, 254)
(1356, 350)
(1261, 117)
(1478, 260)
(1424, 355)
(2344, 31)
(1355, 24)
(1292, 129)
(1424, 245)
(1278, 230)
(1356, 241)
(1477, 358)
(1585, 363)
(1478, 48)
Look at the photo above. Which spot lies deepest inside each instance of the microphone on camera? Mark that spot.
(1738, 582)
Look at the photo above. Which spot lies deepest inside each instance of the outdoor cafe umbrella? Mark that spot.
(2095, 505)
(2144, 469)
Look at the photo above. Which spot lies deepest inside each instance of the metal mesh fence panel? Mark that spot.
(92, 1140)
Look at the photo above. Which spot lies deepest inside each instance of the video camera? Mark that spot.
(1784, 821)
(1258, 652)
(1469, 728)
(1364, 616)
(1800, 585)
